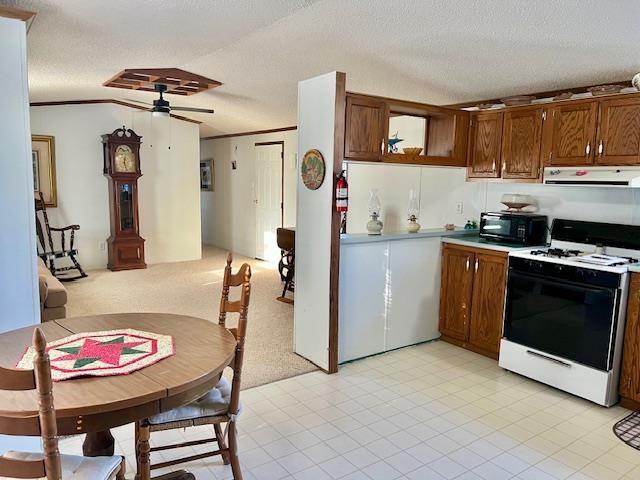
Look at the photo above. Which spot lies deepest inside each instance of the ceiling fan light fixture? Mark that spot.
(159, 113)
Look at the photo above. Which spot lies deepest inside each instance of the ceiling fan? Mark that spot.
(162, 108)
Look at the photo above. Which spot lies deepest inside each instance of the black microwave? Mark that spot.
(514, 227)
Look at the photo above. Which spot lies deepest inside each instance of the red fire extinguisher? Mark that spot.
(342, 193)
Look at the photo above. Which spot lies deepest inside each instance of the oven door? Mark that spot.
(567, 319)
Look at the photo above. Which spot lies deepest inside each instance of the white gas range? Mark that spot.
(566, 306)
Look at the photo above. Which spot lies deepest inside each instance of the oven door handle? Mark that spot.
(551, 359)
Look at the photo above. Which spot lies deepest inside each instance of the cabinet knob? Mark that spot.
(587, 150)
(600, 148)
(476, 267)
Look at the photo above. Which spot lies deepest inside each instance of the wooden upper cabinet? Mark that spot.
(630, 376)
(365, 126)
(485, 142)
(619, 132)
(569, 134)
(455, 292)
(521, 143)
(489, 283)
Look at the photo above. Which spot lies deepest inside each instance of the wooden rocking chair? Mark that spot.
(46, 250)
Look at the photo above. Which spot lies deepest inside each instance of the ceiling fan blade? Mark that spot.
(138, 101)
(190, 109)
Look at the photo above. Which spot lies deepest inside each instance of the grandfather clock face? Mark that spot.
(124, 160)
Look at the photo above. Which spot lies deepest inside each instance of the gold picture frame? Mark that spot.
(43, 158)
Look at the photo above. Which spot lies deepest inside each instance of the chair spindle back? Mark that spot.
(242, 278)
(39, 378)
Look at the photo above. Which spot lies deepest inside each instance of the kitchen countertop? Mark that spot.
(347, 239)
(634, 268)
(477, 242)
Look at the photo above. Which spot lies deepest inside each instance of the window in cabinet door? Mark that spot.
(409, 130)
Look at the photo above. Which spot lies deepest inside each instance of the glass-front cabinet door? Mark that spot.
(125, 202)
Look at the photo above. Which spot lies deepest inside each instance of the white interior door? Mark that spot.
(268, 200)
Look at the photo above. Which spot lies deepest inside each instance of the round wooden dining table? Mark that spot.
(94, 405)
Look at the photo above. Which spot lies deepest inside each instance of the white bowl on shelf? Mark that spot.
(516, 202)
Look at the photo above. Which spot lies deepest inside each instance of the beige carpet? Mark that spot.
(193, 288)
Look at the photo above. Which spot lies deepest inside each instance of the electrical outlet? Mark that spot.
(102, 246)
(459, 208)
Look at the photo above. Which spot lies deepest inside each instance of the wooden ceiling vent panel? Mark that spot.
(178, 82)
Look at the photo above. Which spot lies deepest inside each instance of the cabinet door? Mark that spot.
(485, 140)
(365, 128)
(363, 275)
(619, 132)
(630, 377)
(455, 294)
(489, 284)
(569, 134)
(413, 286)
(521, 142)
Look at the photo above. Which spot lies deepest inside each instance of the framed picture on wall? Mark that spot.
(207, 175)
(43, 157)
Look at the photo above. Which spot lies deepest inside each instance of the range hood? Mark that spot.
(593, 176)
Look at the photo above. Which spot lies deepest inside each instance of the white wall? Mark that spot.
(442, 188)
(597, 204)
(316, 129)
(228, 213)
(169, 190)
(439, 190)
(19, 304)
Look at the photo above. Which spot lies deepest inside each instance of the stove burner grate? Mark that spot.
(557, 252)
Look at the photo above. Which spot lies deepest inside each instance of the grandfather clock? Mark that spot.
(122, 168)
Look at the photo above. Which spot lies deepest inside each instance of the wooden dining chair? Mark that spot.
(49, 465)
(219, 405)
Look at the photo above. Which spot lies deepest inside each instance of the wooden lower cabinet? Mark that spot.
(630, 376)
(472, 298)
(456, 291)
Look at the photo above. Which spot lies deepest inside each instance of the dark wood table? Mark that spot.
(95, 405)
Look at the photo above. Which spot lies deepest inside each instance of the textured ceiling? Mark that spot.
(433, 51)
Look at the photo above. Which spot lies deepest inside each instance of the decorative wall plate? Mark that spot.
(102, 354)
(313, 169)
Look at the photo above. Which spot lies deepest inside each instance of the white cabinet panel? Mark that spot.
(414, 294)
(363, 271)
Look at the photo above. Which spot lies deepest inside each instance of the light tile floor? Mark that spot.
(432, 411)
